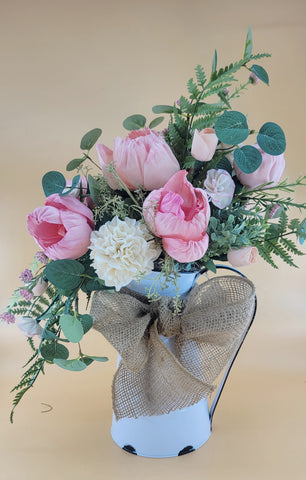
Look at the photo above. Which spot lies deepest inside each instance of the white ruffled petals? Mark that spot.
(121, 252)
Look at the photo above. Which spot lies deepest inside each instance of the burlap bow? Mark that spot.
(153, 379)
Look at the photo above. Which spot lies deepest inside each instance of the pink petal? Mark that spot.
(185, 252)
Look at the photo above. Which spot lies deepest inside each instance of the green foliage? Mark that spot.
(64, 274)
(157, 121)
(200, 74)
(90, 138)
(72, 328)
(49, 351)
(162, 109)
(232, 128)
(248, 45)
(134, 122)
(74, 365)
(75, 163)
(271, 139)
(247, 158)
(53, 182)
(261, 73)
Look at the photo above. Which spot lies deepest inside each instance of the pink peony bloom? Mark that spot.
(220, 187)
(30, 327)
(270, 170)
(242, 256)
(142, 159)
(204, 144)
(179, 214)
(61, 228)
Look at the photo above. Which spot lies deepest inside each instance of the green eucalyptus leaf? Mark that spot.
(162, 109)
(261, 73)
(53, 182)
(157, 121)
(134, 122)
(271, 139)
(64, 274)
(247, 158)
(90, 138)
(72, 328)
(47, 335)
(53, 350)
(98, 359)
(94, 188)
(74, 365)
(248, 44)
(232, 127)
(87, 360)
(75, 163)
(86, 321)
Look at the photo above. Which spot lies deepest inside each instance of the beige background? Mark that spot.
(67, 67)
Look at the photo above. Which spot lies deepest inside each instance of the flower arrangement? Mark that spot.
(173, 201)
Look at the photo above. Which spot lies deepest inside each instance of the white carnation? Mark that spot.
(120, 251)
(220, 187)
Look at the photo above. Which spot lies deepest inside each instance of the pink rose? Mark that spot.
(220, 187)
(61, 228)
(30, 327)
(179, 214)
(242, 256)
(142, 159)
(270, 170)
(204, 144)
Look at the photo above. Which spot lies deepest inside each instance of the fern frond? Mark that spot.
(290, 246)
(200, 74)
(278, 250)
(193, 89)
(283, 222)
(207, 108)
(204, 122)
(264, 253)
(258, 56)
(31, 343)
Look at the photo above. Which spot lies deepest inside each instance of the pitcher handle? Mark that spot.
(228, 369)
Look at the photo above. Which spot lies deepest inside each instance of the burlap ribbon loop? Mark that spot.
(151, 379)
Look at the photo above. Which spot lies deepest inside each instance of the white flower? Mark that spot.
(120, 251)
(30, 327)
(220, 187)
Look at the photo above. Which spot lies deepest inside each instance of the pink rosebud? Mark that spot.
(30, 327)
(61, 228)
(253, 78)
(40, 287)
(179, 214)
(242, 256)
(270, 170)
(142, 159)
(80, 191)
(204, 144)
(220, 187)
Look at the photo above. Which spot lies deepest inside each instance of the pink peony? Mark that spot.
(142, 159)
(242, 256)
(179, 214)
(61, 228)
(270, 170)
(204, 144)
(220, 187)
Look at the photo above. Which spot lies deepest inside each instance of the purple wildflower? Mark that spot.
(26, 294)
(26, 276)
(7, 317)
(41, 257)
